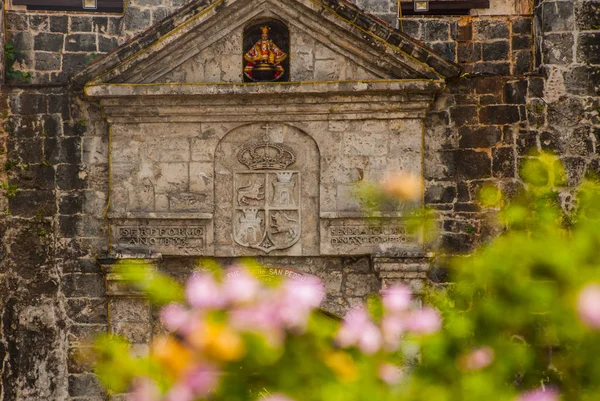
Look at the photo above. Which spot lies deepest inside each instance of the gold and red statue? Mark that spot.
(264, 59)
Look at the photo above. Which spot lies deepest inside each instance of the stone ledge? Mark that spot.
(285, 88)
(161, 216)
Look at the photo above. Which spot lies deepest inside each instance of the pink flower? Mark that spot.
(392, 328)
(478, 359)
(424, 321)
(202, 380)
(144, 389)
(588, 306)
(296, 299)
(276, 397)
(180, 392)
(202, 291)
(305, 294)
(539, 395)
(175, 317)
(262, 317)
(240, 286)
(359, 330)
(397, 298)
(390, 374)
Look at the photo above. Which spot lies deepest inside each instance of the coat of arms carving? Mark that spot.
(266, 197)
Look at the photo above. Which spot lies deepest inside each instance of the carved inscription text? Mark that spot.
(369, 235)
(182, 237)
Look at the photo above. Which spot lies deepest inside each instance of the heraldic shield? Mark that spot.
(267, 209)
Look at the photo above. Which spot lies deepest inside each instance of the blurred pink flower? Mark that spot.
(201, 380)
(296, 299)
(261, 317)
(180, 392)
(306, 293)
(276, 397)
(202, 291)
(389, 373)
(176, 318)
(144, 389)
(240, 286)
(392, 328)
(478, 359)
(424, 321)
(538, 395)
(358, 329)
(588, 306)
(397, 298)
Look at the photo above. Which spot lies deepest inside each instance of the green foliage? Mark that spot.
(10, 190)
(160, 289)
(10, 57)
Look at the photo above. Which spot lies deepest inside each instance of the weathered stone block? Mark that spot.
(588, 48)
(70, 203)
(583, 80)
(80, 24)
(87, 310)
(83, 285)
(515, 92)
(82, 42)
(446, 49)
(522, 26)
(587, 15)
(521, 42)
(464, 115)
(503, 162)
(499, 114)
(74, 62)
(469, 52)
(83, 385)
(527, 143)
(52, 42)
(492, 68)
(440, 193)
(522, 62)
(21, 41)
(491, 29)
(59, 23)
(558, 48)
(436, 30)
(470, 164)
(39, 22)
(47, 61)
(362, 284)
(557, 16)
(136, 19)
(106, 44)
(34, 176)
(479, 137)
(495, 51)
(130, 310)
(70, 176)
(17, 21)
(31, 203)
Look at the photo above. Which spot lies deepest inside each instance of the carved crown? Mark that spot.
(265, 30)
(266, 156)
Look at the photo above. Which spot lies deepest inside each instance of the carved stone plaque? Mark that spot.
(267, 209)
(168, 237)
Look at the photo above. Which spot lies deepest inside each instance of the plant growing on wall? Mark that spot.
(521, 322)
(12, 75)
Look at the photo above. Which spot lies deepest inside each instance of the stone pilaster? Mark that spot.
(129, 312)
(408, 269)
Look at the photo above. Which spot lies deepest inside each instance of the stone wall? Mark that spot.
(531, 82)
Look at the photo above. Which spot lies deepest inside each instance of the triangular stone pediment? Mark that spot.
(329, 40)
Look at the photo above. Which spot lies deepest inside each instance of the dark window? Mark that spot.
(103, 6)
(445, 7)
